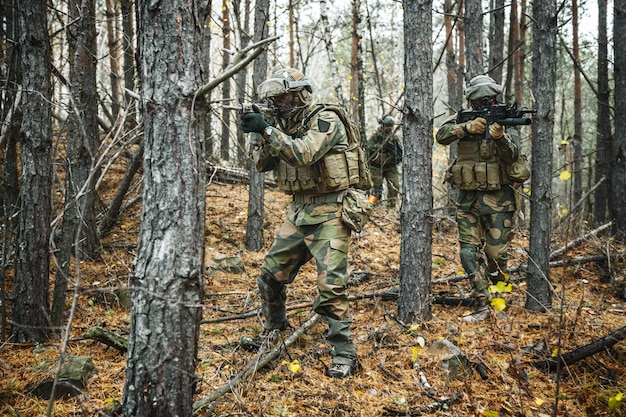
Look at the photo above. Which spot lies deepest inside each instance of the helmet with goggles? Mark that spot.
(284, 80)
(288, 89)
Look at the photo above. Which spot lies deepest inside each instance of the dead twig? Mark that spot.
(550, 365)
(253, 366)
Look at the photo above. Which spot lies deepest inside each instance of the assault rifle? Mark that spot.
(500, 113)
(244, 108)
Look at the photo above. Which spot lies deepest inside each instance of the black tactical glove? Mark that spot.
(253, 122)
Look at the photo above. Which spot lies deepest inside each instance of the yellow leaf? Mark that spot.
(538, 401)
(565, 142)
(488, 413)
(555, 352)
(615, 401)
(563, 211)
(500, 287)
(498, 304)
(294, 366)
(565, 175)
(413, 328)
(416, 352)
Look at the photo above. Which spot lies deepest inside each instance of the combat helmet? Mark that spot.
(482, 86)
(386, 120)
(284, 80)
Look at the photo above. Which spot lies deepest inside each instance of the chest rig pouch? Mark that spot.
(477, 166)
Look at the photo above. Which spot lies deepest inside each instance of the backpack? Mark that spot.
(354, 141)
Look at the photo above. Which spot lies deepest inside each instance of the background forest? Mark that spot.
(134, 223)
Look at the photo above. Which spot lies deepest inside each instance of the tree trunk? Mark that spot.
(496, 40)
(617, 170)
(513, 44)
(167, 285)
(455, 91)
(31, 310)
(577, 143)
(10, 177)
(603, 123)
(326, 29)
(114, 75)
(473, 38)
(417, 202)
(225, 131)
(539, 297)
(255, 239)
(242, 76)
(128, 35)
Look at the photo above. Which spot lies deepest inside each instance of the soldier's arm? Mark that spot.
(507, 145)
(326, 132)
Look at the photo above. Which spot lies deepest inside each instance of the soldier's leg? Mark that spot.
(329, 246)
(377, 181)
(498, 235)
(280, 266)
(393, 187)
(470, 233)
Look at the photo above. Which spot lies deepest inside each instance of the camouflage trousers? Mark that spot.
(327, 243)
(392, 176)
(488, 235)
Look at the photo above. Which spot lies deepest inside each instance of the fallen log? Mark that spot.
(552, 364)
(253, 366)
(108, 338)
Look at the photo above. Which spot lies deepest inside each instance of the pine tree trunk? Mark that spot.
(539, 297)
(417, 202)
(167, 285)
(31, 310)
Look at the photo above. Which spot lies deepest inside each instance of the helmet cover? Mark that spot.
(284, 80)
(387, 121)
(482, 86)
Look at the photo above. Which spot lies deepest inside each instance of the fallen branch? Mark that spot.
(108, 338)
(253, 366)
(579, 240)
(551, 365)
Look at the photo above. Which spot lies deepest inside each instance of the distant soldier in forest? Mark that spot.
(307, 148)
(486, 202)
(384, 153)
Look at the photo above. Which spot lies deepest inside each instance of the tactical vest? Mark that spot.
(336, 171)
(478, 166)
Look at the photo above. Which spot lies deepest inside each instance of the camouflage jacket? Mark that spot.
(325, 135)
(383, 153)
(506, 151)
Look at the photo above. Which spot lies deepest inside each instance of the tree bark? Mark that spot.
(167, 285)
(617, 170)
(31, 310)
(539, 297)
(603, 122)
(417, 201)
(473, 38)
(255, 239)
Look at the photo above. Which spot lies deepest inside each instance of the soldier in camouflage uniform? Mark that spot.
(486, 202)
(384, 153)
(309, 161)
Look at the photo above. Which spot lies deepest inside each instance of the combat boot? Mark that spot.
(480, 290)
(344, 353)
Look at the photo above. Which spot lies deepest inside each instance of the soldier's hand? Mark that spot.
(476, 126)
(496, 131)
(253, 122)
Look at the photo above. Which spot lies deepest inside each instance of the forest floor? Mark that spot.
(402, 368)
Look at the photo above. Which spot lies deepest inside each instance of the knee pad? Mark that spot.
(270, 290)
(468, 258)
